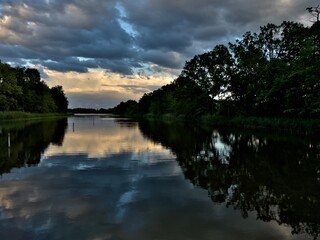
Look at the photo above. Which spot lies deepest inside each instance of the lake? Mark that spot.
(99, 177)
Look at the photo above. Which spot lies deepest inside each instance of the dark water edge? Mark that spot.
(277, 176)
(277, 125)
(273, 177)
(296, 126)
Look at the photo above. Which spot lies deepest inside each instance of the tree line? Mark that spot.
(272, 73)
(21, 89)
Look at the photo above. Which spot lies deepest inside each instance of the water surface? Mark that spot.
(98, 177)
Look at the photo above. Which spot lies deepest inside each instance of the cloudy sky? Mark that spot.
(106, 51)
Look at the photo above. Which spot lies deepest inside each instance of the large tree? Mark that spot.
(272, 73)
(22, 89)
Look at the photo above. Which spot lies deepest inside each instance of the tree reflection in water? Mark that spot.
(275, 176)
(28, 141)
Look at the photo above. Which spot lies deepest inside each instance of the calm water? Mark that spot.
(96, 178)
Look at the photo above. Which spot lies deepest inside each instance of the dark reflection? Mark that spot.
(125, 122)
(277, 177)
(22, 143)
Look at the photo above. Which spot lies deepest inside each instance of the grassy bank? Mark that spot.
(10, 116)
(300, 126)
(304, 126)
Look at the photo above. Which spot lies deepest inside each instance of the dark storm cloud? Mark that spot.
(58, 32)
(82, 65)
(74, 35)
(165, 59)
(67, 65)
(175, 25)
(123, 66)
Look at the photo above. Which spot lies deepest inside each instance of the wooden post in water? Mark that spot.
(9, 146)
(73, 127)
(9, 142)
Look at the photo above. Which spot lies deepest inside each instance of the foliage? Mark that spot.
(59, 98)
(129, 107)
(273, 73)
(22, 89)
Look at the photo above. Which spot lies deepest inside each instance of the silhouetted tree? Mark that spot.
(22, 90)
(59, 98)
(272, 73)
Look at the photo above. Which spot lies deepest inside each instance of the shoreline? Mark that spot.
(289, 125)
(20, 116)
(299, 126)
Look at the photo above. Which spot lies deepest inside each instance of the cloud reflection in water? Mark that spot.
(107, 181)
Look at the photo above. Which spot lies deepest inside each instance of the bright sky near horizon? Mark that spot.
(106, 51)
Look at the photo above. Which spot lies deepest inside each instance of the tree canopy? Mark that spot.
(21, 89)
(272, 73)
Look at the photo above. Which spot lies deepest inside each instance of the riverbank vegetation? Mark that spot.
(271, 74)
(22, 90)
(17, 116)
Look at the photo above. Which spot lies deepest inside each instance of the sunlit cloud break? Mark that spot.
(99, 85)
